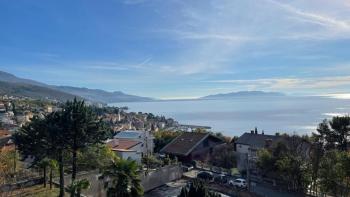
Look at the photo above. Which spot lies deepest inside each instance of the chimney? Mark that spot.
(256, 130)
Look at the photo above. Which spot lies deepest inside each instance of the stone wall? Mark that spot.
(161, 176)
(150, 181)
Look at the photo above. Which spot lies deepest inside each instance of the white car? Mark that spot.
(242, 183)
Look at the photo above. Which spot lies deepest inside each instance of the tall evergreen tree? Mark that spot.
(82, 129)
(335, 133)
(43, 138)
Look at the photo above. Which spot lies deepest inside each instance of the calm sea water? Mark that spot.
(235, 116)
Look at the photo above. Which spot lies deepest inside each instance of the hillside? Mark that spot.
(10, 78)
(33, 91)
(101, 95)
(13, 85)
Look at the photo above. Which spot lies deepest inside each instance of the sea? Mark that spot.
(233, 117)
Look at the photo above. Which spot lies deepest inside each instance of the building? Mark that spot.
(126, 149)
(5, 140)
(49, 109)
(145, 137)
(2, 108)
(192, 146)
(248, 145)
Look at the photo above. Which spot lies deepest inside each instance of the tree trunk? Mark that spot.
(61, 169)
(45, 176)
(74, 165)
(74, 169)
(51, 178)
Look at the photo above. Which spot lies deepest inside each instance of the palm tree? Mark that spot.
(77, 186)
(44, 163)
(122, 180)
(53, 165)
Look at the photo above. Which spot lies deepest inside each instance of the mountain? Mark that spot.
(32, 91)
(242, 94)
(10, 78)
(15, 86)
(101, 95)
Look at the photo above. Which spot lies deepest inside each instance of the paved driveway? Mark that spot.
(267, 191)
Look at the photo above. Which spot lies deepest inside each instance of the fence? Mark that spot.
(161, 176)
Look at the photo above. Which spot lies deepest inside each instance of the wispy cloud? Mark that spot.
(103, 65)
(133, 2)
(285, 84)
(330, 27)
(216, 31)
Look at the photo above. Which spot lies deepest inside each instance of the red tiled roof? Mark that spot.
(4, 133)
(185, 143)
(122, 144)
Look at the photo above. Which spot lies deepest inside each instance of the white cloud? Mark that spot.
(329, 26)
(285, 84)
(219, 30)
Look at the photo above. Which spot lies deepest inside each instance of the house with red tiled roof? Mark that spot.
(126, 149)
(192, 146)
(5, 140)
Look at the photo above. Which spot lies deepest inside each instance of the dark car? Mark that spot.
(221, 179)
(208, 176)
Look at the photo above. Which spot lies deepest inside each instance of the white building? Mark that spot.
(2, 108)
(145, 137)
(248, 145)
(126, 149)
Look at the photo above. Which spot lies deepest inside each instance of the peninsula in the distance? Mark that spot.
(242, 94)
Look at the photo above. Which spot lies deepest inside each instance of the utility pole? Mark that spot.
(248, 173)
(147, 156)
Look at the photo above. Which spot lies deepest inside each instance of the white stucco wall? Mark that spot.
(136, 156)
(242, 148)
(145, 137)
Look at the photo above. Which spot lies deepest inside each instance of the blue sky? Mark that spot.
(180, 48)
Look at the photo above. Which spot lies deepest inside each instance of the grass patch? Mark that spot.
(34, 191)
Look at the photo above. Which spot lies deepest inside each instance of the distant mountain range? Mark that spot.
(101, 95)
(12, 85)
(242, 94)
(33, 91)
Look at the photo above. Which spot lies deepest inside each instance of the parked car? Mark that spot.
(187, 167)
(241, 183)
(208, 176)
(221, 179)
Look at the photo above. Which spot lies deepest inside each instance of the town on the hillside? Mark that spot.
(50, 148)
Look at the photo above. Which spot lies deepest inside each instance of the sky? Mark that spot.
(180, 48)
